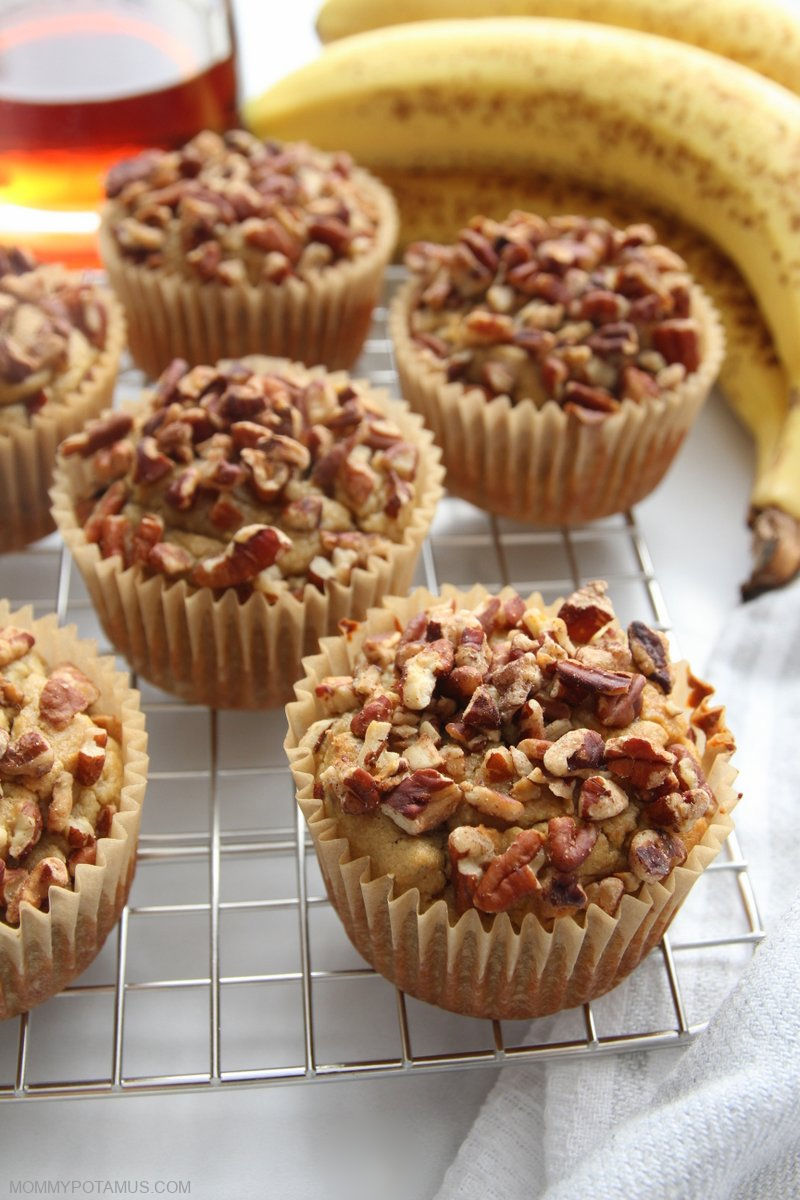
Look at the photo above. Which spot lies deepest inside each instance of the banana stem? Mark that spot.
(776, 551)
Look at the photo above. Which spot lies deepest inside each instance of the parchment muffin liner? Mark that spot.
(474, 966)
(217, 650)
(542, 465)
(323, 319)
(27, 453)
(49, 949)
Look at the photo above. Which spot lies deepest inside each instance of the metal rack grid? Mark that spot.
(229, 967)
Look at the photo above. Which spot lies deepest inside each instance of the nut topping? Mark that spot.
(653, 853)
(650, 654)
(510, 877)
(14, 644)
(568, 845)
(422, 801)
(66, 693)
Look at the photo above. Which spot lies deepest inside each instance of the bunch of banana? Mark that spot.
(658, 122)
(764, 36)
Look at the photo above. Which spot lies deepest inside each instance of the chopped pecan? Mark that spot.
(586, 611)
(14, 644)
(90, 762)
(110, 503)
(145, 536)
(510, 877)
(150, 464)
(497, 805)
(23, 824)
(574, 751)
(114, 537)
(561, 894)
(482, 711)
(362, 796)
(379, 708)
(268, 477)
(182, 491)
(422, 801)
(225, 514)
(48, 872)
(171, 560)
(606, 893)
(600, 798)
(679, 341)
(591, 680)
(421, 670)
(653, 853)
(569, 845)
(619, 711)
(336, 693)
(250, 550)
(30, 756)
(639, 760)
(60, 806)
(650, 654)
(97, 434)
(67, 692)
(470, 848)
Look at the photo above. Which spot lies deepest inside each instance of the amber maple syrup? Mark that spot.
(83, 85)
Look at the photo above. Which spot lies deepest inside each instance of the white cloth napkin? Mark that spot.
(721, 1118)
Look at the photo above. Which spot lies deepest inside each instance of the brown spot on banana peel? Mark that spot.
(776, 551)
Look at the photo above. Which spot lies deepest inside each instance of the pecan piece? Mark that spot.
(653, 853)
(97, 434)
(379, 708)
(90, 762)
(422, 801)
(268, 477)
(361, 794)
(586, 611)
(511, 876)
(496, 805)
(251, 549)
(569, 845)
(600, 798)
(24, 827)
(470, 848)
(679, 342)
(110, 503)
(14, 644)
(574, 751)
(587, 680)
(172, 561)
(620, 711)
(150, 464)
(60, 806)
(639, 760)
(650, 654)
(145, 536)
(561, 894)
(606, 893)
(421, 671)
(30, 756)
(66, 693)
(48, 872)
(482, 711)
(182, 491)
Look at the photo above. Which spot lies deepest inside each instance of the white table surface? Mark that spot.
(394, 1137)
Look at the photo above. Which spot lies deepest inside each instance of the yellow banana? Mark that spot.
(663, 123)
(764, 35)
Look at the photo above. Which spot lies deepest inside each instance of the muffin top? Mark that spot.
(53, 327)
(517, 759)
(261, 475)
(568, 309)
(234, 209)
(60, 773)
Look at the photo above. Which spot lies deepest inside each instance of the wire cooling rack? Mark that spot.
(229, 967)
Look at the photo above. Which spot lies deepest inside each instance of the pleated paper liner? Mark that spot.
(483, 967)
(214, 649)
(542, 465)
(27, 453)
(324, 319)
(49, 949)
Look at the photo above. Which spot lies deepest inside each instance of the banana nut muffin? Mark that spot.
(61, 773)
(60, 340)
(559, 361)
(260, 475)
(248, 247)
(238, 513)
(517, 760)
